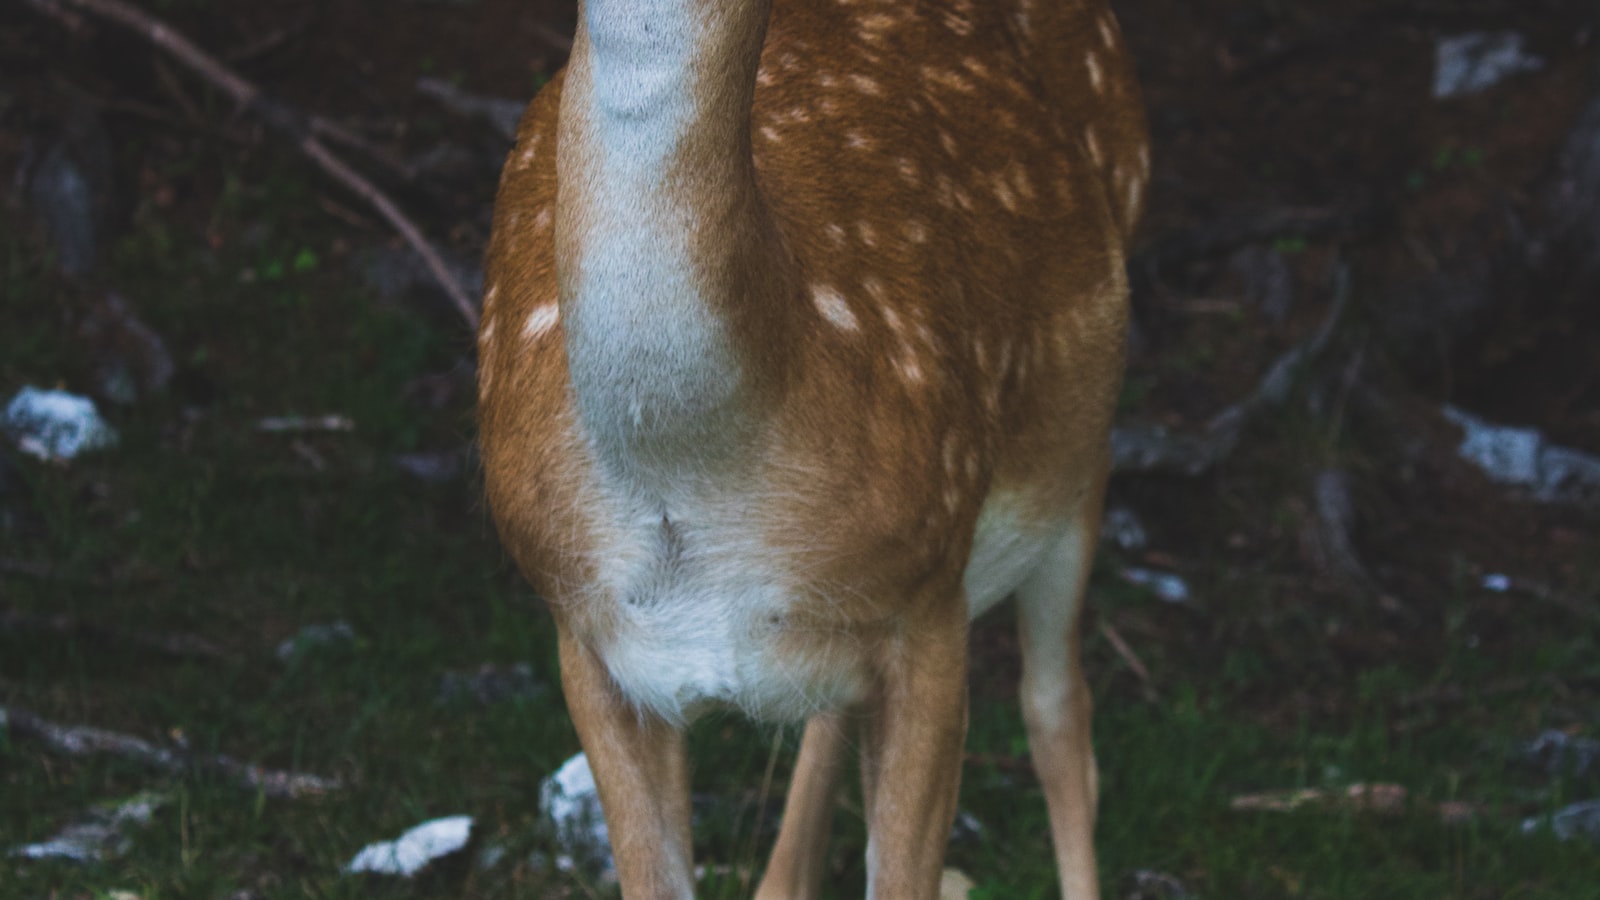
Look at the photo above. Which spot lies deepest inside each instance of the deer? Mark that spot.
(803, 328)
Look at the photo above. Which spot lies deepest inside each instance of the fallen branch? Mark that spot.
(1156, 448)
(502, 113)
(303, 131)
(554, 39)
(1378, 799)
(1124, 650)
(1330, 537)
(333, 422)
(177, 645)
(82, 741)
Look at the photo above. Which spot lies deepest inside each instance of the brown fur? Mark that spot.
(935, 165)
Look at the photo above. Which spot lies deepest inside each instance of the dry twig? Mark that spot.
(1124, 650)
(300, 129)
(1156, 448)
(82, 740)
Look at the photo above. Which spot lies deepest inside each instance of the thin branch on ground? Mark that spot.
(500, 112)
(304, 131)
(178, 645)
(1156, 448)
(1332, 529)
(555, 39)
(1125, 650)
(1231, 232)
(82, 741)
(268, 42)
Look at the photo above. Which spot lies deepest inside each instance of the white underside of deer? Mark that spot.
(799, 350)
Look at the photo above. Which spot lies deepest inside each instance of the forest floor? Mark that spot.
(1394, 662)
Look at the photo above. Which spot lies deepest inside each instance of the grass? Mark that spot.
(199, 524)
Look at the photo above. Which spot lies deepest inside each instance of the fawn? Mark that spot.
(803, 329)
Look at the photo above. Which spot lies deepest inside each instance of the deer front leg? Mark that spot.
(641, 768)
(911, 755)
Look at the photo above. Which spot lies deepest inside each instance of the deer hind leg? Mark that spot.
(795, 869)
(1055, 700)
(911, 749)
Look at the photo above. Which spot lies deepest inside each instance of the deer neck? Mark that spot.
(673, 281)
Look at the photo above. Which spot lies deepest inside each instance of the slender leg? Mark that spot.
(794, 872)
(911, 762)
(641, 767)
(1056, 704)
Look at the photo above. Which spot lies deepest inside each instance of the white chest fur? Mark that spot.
(698, 609)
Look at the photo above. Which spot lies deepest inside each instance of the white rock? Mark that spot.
(100, 835)
(1123, 528)
(1579, 820)
(1167, 586)
(1522, 457)
(55, 425)
(570, 800)
(412, 851)
(1497, 582)
(1469, 63)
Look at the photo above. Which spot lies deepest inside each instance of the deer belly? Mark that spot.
(1007, 546)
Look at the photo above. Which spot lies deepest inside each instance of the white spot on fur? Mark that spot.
(878, 22)
(1021, 182)
(770, 133)
(1097, 78)
(1107, 35)
(916, 232)
(540, 321)
(833, 307)
(1003, 193)
(541, 221)
(1092, 141)
(869, 235)
(866, 85)
(957, 24)
(910, 370)
(893, 320)
(836, 233)
(948, 78)
(908, 171)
